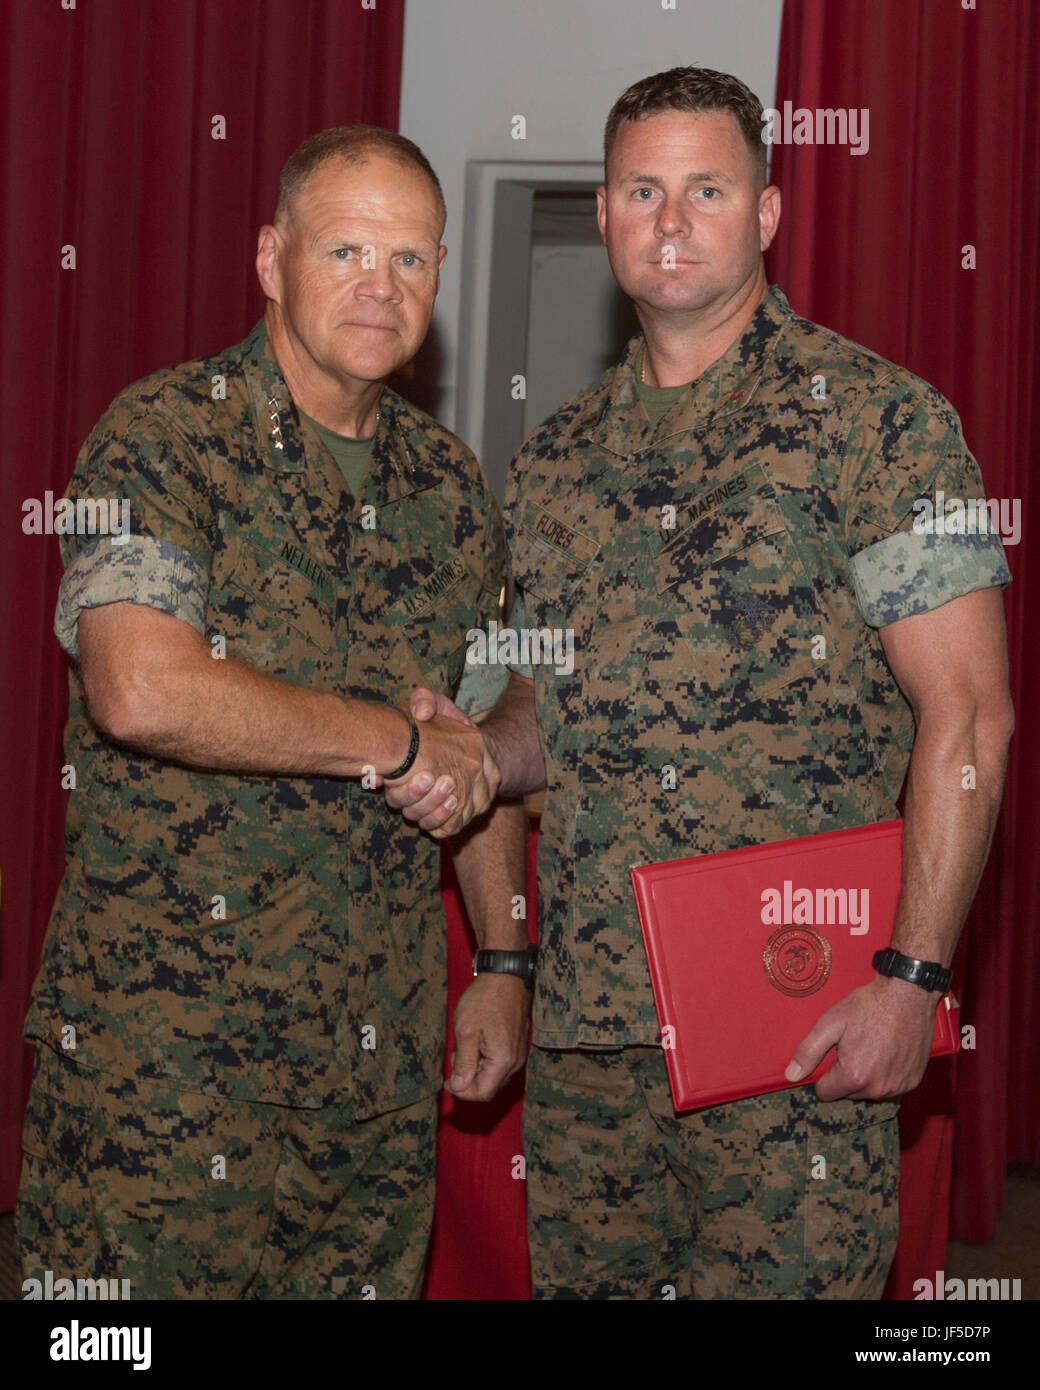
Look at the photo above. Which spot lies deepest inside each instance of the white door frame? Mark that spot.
(496, 272)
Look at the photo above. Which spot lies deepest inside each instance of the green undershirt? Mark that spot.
(657, 400)
(351, 455)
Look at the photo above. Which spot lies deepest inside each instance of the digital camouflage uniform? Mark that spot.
(272, 945)
(698, 648)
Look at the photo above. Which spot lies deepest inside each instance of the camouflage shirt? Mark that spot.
(725, 575)
(263, 937)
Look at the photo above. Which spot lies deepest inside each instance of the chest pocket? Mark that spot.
(434, 616)
(550, 575)
(742, 604)
(274, 598)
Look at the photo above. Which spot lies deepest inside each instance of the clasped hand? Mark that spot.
(453, 779)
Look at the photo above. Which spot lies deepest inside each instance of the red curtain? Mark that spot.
(146, 140)
(877, 246)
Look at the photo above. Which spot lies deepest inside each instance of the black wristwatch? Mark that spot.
(929, 974)
(507, 963)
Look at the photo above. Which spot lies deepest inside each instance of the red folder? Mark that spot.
(747, 948)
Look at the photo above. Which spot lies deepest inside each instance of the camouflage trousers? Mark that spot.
(779, 1196)
(194, 1197)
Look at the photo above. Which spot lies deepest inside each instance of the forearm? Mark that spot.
(947, 829)
(173, 701)
(511, 733)
(883, 1029)
(238, 718)
(491, 865)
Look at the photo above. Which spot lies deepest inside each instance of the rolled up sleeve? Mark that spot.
(914, 572)
(905, 463)
(141, 569)
(143, 461)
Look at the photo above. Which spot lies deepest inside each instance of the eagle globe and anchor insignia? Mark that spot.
(797, 960)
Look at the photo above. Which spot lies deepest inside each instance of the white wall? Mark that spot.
(470, 66)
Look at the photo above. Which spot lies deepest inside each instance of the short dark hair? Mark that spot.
(354, 143)
(695, 90)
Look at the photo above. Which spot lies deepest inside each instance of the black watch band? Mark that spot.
(507, 963)
(929, 974)
(413, 749)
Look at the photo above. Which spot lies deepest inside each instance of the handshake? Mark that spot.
(454, 777)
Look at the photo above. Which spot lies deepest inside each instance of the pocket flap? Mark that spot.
(549, 557)
(711, 538)
(288, 584)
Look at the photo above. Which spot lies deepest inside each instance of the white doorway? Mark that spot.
(541, 313)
